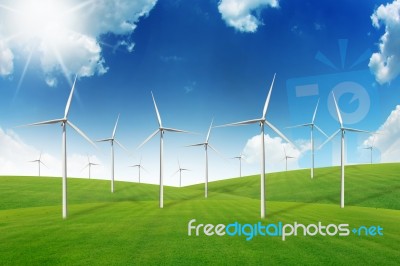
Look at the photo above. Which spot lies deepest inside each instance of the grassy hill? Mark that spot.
(127, 227)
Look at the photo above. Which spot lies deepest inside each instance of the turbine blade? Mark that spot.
(209, 130)
(355, 130)
(115, 127)
(44, 164)
(337, 111)
(284, 150)
(247, 122)
(329, 139)
(144, 169)
(158, 113)
(175, 130)
(315, 112)
(268, 97)
(148, 138)
(86, 166)
(175, 173)
(48, 122)
(279, 133)
(179, 164)
(81, 133)
(320, 130)
(219, 154)
(119, 144)
(70, 99)
(103, 140)
(302, 125)
(195, 145)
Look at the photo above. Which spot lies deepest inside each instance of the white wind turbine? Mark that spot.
(112, 140)
(206, 144)
(240, 158)
(287, 156)
(161, 130)
(180, 173)
(39, 161)
(312, 125)
(139, 166)
(371, 147)
(89, 165)
(341, 130)
(262, 122)
(64, 121)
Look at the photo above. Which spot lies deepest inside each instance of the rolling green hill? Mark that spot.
(127, 227)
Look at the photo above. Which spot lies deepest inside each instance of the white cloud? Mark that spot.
(385, 64)
(6, 60)
(15, 157)
(69, 43)
(240, 13)
(274, 153)
(387, 141)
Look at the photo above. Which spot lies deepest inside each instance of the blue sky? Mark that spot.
(201, 59)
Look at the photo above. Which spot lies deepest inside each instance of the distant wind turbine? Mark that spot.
(39, 161)
(371, 147)
(112, 140)
(312, 125)
(287, 156)
(180, 173)
(139, 166)
(89, 165)
(240, 158)
(262, 122)
(64, 121)
(341, 130)
(161, 130)
(206, 144)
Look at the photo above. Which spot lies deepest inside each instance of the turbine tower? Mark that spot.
(180, 173)
(341, 130)
(206, 144)
(39, 161)
(112, 140)
(240, 158)
(262, 122)
(139, 166)
(312, 125)
(64, 122)
(286, 156)
(161, 129)
(89, 165)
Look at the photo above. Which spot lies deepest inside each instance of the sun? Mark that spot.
(44, 20)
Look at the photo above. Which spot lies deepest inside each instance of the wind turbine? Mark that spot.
(39, 161)
(139, 166)
(161, 130)
(240, 158)
(112, 140)
(286, 156)
(371, 147)
(341, 130)
(262, 122)
(89, 165)
(64, 121)
(206, 144)
(180, 173)
(312, 125)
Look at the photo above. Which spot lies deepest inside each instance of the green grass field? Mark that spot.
(127, 227)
